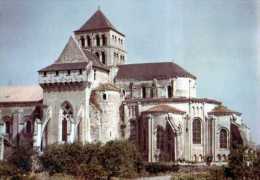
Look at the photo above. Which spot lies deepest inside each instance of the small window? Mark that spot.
(68, 72)
(144, 92)
(169, 89)
(97, 54)
(57, 73)
(97, 40)
(82, 41)
(28, 127)
(95, 74)
(80, 71)
(7, 127)
(89, 41)
(103, 57)
(44, 74)
(104, 40)
(104, 96)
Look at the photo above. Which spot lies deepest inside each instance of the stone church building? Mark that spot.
(90, 94)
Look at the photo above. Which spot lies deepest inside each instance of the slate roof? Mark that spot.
(16, 94)
(163, 108)
(98, 21)
(74, 58)
(150, 71)
(222, 111)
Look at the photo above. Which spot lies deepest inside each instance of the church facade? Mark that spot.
(90, 94)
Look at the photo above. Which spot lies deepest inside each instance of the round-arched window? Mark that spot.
(223, 138)
(196, 131)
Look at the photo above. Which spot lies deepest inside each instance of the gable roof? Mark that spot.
(72, 53)
(150, 71)
(16, 94)
(98, 21)
(163, 108)
(74, 58)
(222, 111)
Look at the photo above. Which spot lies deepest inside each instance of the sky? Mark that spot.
(215, 40)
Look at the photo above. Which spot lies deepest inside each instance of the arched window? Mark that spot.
(67, 114)
(89, 41)
(196, 131)
(82, 41)
(169, 90)
(97, 40)
(103, 57)
(104, 40)
(223, 138)
(104, 96)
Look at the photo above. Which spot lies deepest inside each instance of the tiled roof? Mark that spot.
(150, 71)
(98, 21)
(174, 99)
(163, 108)
(16, 94)
(107, 87)
(222, 111)
(65, 66)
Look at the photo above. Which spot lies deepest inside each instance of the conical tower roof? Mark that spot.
(98, 21)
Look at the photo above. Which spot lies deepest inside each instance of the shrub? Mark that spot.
(157, 167)
(21, 158)
(63, 158)
(7, 169)
(115, 158)
(120, 158)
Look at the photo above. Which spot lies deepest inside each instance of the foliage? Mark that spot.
(6, 169)
(120, 158)
(20, 158)
(155, 168)
(115, 158)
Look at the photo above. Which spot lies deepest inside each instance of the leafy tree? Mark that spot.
(120, 158)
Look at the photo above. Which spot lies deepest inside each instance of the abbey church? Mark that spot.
(90, 94)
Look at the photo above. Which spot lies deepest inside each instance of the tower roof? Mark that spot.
(98, 21)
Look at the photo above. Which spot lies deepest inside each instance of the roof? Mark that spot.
(163, 108)
(174, 99)
(150, 71)
(73, 58)
(107, 87)
(95, 61)
(16, 94)
(98, 21)
(65, 66)
(222, 111)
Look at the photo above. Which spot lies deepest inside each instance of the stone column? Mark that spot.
(150, 139)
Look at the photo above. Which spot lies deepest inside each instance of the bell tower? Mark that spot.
(102, 39)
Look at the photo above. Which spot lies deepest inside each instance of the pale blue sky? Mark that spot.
(214, 40)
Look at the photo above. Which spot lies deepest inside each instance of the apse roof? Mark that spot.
(222, 110)
(150, 71)
(163, 108)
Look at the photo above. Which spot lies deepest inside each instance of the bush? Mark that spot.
(6, 169)
(20, 158)
(155, 168)
(115, 158)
